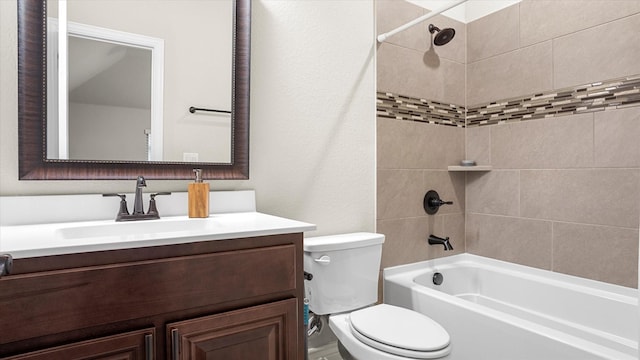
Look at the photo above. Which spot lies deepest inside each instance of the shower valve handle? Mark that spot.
(432, 202)
(439, 202)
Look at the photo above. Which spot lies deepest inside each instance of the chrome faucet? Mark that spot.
(138, 208)
(435, 240)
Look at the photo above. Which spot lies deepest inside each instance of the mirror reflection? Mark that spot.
(109, 89)
(123, 75)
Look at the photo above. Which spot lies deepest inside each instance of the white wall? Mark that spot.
(312, 115)
(95, 132)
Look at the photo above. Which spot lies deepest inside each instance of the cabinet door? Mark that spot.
(137, 345)
(264, 332)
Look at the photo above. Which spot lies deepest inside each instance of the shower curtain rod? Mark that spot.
(385, 36)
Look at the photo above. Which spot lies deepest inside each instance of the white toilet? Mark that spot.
(345, 284)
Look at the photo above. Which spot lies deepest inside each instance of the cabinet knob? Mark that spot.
(6, 264)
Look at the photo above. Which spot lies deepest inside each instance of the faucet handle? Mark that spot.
(123, 205)
(153, 209)
(160, 193)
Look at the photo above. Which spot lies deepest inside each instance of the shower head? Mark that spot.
(443, 36)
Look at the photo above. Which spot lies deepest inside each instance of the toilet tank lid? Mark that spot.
(342, 241)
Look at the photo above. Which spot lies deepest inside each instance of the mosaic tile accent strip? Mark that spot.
(407, 108)
(612, 94)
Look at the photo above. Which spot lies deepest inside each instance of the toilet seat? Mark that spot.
(400, 332)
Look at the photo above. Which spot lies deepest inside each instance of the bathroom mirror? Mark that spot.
(34, 164)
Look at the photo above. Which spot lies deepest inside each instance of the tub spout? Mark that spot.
(435, 240)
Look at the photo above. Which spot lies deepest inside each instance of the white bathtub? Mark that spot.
(503, 311)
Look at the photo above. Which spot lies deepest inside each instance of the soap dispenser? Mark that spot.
(198, 197)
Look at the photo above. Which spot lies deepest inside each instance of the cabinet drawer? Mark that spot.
(136, 345)
(52, 302)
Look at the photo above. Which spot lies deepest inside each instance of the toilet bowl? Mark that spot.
(344, 286)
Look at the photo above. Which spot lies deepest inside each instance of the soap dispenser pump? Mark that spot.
(198, 197)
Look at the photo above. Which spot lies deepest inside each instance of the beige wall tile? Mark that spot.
(415, 145)
(391, 14)
(478, 144)
(406, 239)
(522, 241)
(453, 225)
(603, 52)
(495, 192)
(419, 74)
(542, 20)
(594, 196)
(392, 146)
(449, 185)
(596, 252)
(494, 34)
(561, 142)
(400, 194)
(520, 72)
(617, 138)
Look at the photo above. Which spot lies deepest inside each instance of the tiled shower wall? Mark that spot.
(413, 156)
(564, 193)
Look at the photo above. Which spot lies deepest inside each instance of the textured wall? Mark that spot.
(312, 116)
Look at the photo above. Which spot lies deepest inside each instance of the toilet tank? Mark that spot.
(345, 271)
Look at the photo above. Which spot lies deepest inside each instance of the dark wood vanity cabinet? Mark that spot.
(225, 299)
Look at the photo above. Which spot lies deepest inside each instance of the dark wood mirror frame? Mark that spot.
(32, 112)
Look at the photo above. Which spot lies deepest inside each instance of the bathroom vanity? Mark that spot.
(231, 288)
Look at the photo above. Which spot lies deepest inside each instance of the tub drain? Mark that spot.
(437, 278)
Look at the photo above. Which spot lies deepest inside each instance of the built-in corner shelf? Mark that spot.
(470, 168)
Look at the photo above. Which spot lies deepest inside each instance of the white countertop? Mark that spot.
(23, 241)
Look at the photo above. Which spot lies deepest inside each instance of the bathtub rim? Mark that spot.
(404, 275)
(577, 283)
